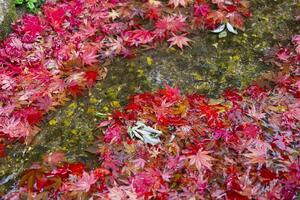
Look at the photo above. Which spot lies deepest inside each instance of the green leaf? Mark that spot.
(19, 2)
(145, 133)
(30, 5)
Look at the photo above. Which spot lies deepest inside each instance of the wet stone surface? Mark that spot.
(209, 66)
(7, 16)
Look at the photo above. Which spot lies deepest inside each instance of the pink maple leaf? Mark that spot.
(14, 128)
(89, 55)
(177, 3)
(296, 40)
(201, 159)
(258, 153)
(179, 40)
(84, 183)
(138, 37)
(172, 24)
(201, 10)
(113, 134)
(283, 54)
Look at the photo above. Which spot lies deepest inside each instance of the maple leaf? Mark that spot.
(122, 193)
(84, 183)
(6, 110)
(113, 134)
(89, 54)
(283, 54)
(87, 29)
(173, 24)
(30, 114)
(2, 150)
(201, 159)
(214, 18)
(138, 37)
(236, 19)
(114, 15)
(296, 39)
(153, 12)
(179, 40)
(171, 94)
(92, 75)
(258, 153)
(30, 176)
(250, 130)
(201, 10)
(116, 193)
(7, 82)
(44, 103)
(145, 182)
(75, 90)
(55, 16)
(232, 95)
(177, 3)
(32, 25)
(14, 127)
(256, 114)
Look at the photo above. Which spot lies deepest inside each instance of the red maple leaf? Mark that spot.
(283, 54)
(2, 150)
(173, 24)
(201, 9)
(179, 40)
(91, 77)
(55, 16)
(214, 18)
(31, 114)
(138, 37)
(89, 54)
(236, 20)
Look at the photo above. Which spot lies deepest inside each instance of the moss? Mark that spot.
(10, 17)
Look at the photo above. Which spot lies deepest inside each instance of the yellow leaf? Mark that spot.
(91, 110)
(197, 77)
(73, 106)
(105, 108)
(93, 100)
(181, 109)
(74, 131)
(52, 122)
(115, 104)
(149, 61)
(278, 109)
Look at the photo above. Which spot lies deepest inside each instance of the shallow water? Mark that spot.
(209, 66)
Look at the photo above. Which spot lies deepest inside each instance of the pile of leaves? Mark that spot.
(169, 145)
(63, 50)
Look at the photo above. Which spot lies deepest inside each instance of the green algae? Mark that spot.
(208, 67)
